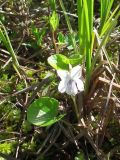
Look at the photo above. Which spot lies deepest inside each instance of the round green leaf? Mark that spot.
(59, 61)
(43, 111)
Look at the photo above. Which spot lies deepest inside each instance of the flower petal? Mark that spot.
(76, 72)
(62, 86)
(63, 74)
(74, 88)
(71, 88)
(80, 84)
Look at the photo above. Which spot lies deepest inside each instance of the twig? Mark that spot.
(3, 3)
(44, 143)
(105, 117)
(115, 85)
(55, 134)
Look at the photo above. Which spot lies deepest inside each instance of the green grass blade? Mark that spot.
(52, 3)
(108, 22)
(86, 37)
(6, 41)
(104, 40)
(81, 26)
(88, 5)
(106, 6)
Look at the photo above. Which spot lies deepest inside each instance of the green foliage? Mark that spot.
(26, 126)
(28, 146)
(30, 73)
(20, 86)
(86, 33)
(85, 28)
(59, 61)
(54, 21)
(52, 4)
(6, 147)
(75, 59)
(80, 156)
(106, 18)
(72, 36)
(61, 38)
(2, 18)
(38, 34)
(33, 42)
(105, 11)
(6, 41)
(66, 40)
(14, 115)
(5, 83)
(43, 112)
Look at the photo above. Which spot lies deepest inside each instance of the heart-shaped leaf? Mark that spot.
(59, 61)
(43, 111)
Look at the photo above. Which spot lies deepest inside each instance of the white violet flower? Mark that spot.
(71, 81)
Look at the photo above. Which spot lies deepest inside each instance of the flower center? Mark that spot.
(69, 84)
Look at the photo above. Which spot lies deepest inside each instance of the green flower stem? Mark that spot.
(76, 108)
(54, 42)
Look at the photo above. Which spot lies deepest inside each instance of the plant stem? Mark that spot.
(76, 109)
(54, 42)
